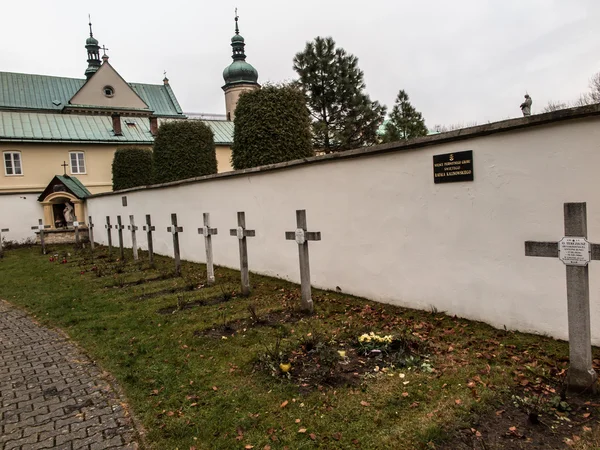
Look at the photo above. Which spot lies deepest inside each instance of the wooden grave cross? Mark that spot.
(108, 227)
(575, 252)
(175, 230)
(242, 233)
(91, 232)
(133, 229)
(41, 228)
(2, 230)
(149, 228)
(301, 236)
(120, 227)
(208, 232)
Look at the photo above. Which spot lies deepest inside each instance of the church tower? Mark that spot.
(239, 76)
(93, 51)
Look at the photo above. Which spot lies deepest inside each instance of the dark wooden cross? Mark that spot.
(301, 236)
(41, 227)
(241, 233)
(133, 229)
(175, 230)
(120, 227)
(149, 228)
(64, 165)
(104, 49)
(2, 230)
(108, 227)
(208, 232)
(91, 232)
(575, 252)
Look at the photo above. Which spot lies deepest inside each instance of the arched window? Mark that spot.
(12, 163)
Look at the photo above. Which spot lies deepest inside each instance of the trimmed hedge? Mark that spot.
(183, 149)
(272, 125)
(131, 167)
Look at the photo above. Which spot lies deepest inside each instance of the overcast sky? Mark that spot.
(459, 61)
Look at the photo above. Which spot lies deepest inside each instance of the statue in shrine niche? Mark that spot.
(526, 106)
(68, 213)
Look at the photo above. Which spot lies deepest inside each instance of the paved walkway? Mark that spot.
(51, 395)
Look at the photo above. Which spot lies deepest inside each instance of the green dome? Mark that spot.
(91, 41)
(237, 38)
(240, 72)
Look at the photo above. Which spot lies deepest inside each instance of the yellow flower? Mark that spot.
(285, 368)
(342, 353)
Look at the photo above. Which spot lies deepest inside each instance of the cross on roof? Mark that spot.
(64, 165)
(104, 49)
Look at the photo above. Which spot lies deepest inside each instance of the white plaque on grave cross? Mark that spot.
(75, 224)
(300, 239)
(240, 233)
(574, 251)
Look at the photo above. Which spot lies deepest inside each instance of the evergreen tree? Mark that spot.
(272, 125)
(132, 167)
(343, 115)
(405, 121)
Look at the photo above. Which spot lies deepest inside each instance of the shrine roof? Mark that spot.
(71, 184)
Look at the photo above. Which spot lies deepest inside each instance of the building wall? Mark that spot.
(390, 234)
(19, 213)
(41, 162)
(224, 158)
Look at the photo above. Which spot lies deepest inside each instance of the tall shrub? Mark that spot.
(131, 167)
(271, 125)
(183, 149)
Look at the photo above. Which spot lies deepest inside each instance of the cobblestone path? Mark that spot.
(51, 395)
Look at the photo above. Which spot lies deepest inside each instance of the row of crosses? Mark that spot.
(300, 235)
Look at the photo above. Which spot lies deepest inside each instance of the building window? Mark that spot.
(109, 91)
(77, 162)
(12, 163)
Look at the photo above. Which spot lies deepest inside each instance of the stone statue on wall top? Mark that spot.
(68, 212)
(526, 106)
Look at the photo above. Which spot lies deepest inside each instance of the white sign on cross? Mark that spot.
(575, 252)
(2, 230)
(41, 227)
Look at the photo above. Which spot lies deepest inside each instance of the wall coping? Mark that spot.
(426, 141)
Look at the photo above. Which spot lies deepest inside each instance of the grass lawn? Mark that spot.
(204, 367)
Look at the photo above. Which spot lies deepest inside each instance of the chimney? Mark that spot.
(153, 125)
(116, 120)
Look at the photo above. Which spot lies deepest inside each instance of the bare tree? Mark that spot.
(554, 106)
(595, 88)
(456, 126)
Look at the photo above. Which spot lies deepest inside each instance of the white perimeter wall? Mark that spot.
(390, 234)
(19, 212)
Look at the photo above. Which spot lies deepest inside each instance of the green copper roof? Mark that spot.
(46, 93)
(41, 127)
(47, 127)
(76, 186)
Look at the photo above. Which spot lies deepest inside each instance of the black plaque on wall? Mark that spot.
(452, 167)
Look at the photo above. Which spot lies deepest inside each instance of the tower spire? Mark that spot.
(237, 30)
(93, 52)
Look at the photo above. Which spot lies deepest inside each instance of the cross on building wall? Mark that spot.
(301, 236)
(575, 252)
(64, 165)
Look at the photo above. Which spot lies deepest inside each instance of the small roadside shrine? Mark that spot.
(63, 201)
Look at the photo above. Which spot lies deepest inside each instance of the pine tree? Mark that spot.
(405, 121)
(343, 115)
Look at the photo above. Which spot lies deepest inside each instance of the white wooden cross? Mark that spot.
(108, 227)
(575, 252)
(91, 232)
(120, 228)
(2, 230)
(301, 236)
(208, 232)
(40, 227)
(175, 230)
(133, 229)
(241, 233)
(149, 228)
